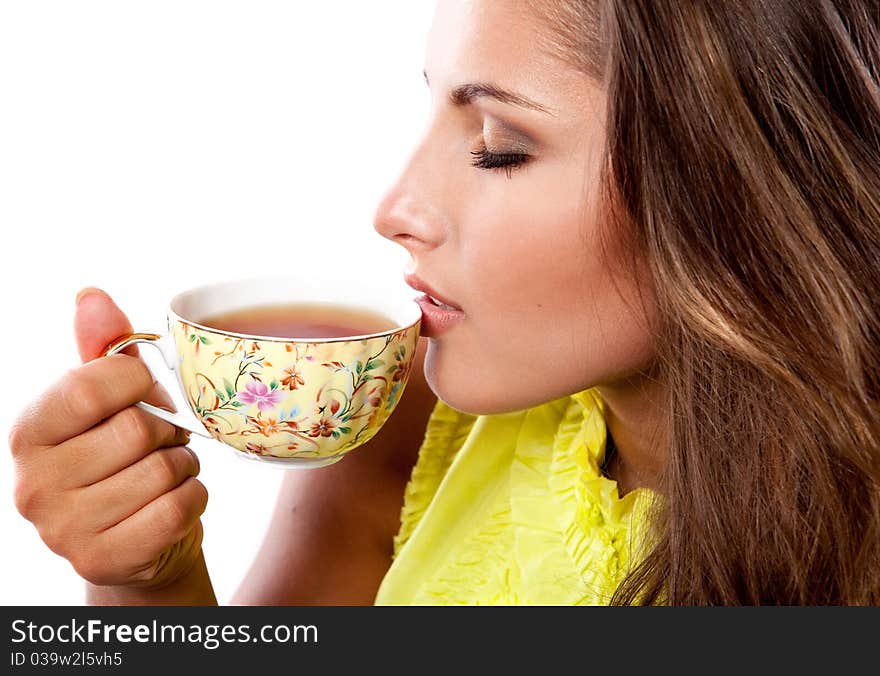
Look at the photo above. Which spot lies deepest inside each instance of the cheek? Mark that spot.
(548, 314)
(528, 254)
(613, 326)
(544, 294)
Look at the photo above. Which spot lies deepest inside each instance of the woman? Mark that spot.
(660, 223)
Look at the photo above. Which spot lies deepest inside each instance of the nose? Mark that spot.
(409, 214)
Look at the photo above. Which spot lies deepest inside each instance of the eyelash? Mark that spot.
(508, 162)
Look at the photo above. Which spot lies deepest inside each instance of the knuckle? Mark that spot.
(90, 564)
(16, 438)
(82, 396)
(24, 431)
(54, 535)
(134, 371)
(60, 528)
(172, 515)
(26, 498)
(140, 372)
(163, 468)
(133, 428)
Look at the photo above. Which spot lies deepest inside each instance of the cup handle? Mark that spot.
(166, 347)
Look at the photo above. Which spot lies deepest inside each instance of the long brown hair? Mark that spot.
(743, 163)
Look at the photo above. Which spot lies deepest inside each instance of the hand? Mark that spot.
(108, 486)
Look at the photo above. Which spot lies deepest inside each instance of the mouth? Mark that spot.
(435, 297)
(439, 304)
(437, 319)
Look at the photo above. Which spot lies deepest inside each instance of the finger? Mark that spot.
(124, 493)
(109, 561)
(161, 398)
(117, 443)
(153, 529)
(97, 322)
(82, 398)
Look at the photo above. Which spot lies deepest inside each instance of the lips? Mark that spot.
(443, 305)
(435, 296)
(437, 320)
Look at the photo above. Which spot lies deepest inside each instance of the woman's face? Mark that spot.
(517, 248)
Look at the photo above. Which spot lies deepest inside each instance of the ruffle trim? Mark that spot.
(562, 492)
(557, 534)
(445, 434)
(594, 520)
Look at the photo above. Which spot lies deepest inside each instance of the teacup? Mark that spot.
(291, 402)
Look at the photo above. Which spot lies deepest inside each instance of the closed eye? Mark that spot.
(483, 159)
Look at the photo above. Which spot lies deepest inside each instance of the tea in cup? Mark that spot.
(292, 372)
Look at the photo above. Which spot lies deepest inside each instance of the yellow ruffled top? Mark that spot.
(511, 509)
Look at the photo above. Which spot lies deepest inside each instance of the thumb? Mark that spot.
(98, 321)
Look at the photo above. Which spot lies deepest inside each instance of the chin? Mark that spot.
(457, 394)
(467, 398)
(474, 393)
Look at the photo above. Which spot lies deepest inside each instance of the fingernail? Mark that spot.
(196, 458)
(88, 291)
(181, 438)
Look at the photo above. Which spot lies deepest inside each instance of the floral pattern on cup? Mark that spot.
(283, 399)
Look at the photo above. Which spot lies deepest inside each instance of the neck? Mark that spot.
(633, 417)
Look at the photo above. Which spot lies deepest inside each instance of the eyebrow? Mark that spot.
(466, 94)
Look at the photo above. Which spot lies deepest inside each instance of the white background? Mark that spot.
(149, 147)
